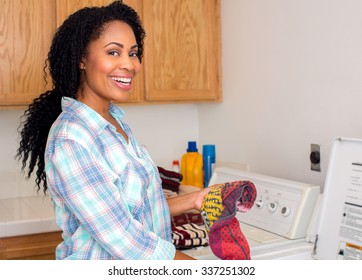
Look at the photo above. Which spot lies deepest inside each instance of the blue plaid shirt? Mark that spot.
(107, 193)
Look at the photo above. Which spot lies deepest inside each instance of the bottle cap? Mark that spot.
(192, 147)
(208, 150)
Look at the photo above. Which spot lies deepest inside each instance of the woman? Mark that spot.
(105, 189)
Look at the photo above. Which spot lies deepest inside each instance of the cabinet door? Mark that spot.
(26, 29)
(182, 50)
(67, 7)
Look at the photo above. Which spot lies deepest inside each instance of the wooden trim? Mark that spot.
(30, 247)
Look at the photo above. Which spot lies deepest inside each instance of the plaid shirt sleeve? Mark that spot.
(86, 185)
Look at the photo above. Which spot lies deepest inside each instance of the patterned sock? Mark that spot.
(218, 211)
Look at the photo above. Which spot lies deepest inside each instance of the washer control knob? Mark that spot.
(273, 206)
(285, 211)
(260, 203)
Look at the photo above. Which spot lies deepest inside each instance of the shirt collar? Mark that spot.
(90, 116)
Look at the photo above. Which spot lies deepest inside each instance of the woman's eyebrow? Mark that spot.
(120, 45)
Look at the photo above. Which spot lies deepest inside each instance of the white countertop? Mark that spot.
(27, 215)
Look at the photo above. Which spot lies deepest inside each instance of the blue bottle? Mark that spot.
(209, 159)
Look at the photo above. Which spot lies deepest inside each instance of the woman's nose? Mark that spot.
(127, 62)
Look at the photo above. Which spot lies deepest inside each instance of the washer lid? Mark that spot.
(340, 222)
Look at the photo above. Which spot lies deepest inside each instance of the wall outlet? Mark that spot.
(315, 157)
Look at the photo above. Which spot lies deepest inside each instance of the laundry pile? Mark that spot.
(188, 230)
(171, 181)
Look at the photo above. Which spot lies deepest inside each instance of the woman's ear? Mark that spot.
(82, 65)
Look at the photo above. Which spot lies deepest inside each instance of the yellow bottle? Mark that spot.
(192, 167)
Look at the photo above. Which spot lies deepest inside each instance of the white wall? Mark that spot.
(292, 76)
(12, 182)
(164, 129)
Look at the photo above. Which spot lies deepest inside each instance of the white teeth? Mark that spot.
(122, 80)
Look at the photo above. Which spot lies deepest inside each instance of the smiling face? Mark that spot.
(109, 67)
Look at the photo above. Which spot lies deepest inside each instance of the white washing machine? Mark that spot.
(277, 224)
(291, 220)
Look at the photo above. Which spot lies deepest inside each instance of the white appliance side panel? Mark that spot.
(340, 228)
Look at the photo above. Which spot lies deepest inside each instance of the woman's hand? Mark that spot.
(189, 201)
(201, 196)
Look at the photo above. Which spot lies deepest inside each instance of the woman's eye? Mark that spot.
(114, 53)
(134, 54)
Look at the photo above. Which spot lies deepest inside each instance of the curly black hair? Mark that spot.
(69, 46)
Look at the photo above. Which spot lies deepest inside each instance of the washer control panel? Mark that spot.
(282, 206)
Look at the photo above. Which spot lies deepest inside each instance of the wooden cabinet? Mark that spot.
(30, 247)
(182, 50)
(26, 29)
(182, 60)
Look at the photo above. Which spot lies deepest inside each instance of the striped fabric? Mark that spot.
(187, 218)
(188, 230)
(189, 235)
(106, 192)
(170, 180)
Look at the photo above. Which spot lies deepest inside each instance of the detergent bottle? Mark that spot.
(209, 156)
(192, 167)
